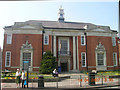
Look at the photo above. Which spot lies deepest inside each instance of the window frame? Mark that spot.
(82, 59)
(9, 39)
(100, 58)
(9, 59)
(30, 61)
(115, 57)
(113, 41)
(84, 40)
(47, 40)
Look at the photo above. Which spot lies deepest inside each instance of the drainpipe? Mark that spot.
(86, 49)
(42, 42)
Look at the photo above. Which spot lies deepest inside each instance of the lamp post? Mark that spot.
(86, 48)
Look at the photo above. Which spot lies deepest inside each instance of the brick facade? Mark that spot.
(35, 37)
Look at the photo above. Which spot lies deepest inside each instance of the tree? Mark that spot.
(48, 63)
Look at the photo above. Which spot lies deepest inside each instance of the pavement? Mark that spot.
(72, 83)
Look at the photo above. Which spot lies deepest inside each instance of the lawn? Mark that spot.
(31, 76)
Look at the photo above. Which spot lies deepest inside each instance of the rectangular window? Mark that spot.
(113, 41)
(83, 58)
(9, 38)
(27, 57)
(63, 46)
(82, 39)
(100, 59)
(115, 59)
(46, 39)
(8, 59)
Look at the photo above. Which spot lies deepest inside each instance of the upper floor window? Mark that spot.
(83, 58)
(8, 59)
(115, 59)
(113, 41)
(46, 39)
(9, 38)
(82, 39)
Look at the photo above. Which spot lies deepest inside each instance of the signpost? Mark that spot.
(26, 67)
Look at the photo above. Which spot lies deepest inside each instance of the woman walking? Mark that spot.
(18, 75)
(23, 78)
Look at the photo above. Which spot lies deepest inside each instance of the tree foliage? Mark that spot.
(48, 63)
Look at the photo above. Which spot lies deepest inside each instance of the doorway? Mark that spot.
(64, 67)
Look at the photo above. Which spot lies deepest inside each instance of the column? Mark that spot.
(74, 53)
(55, 46)
(77, 55)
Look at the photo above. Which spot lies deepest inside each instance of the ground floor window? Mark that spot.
(27, 57)
(7, 59)
(100, 59)
(83, 58)
(115, 59)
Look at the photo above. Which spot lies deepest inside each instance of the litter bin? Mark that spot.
(59, 69)
(40, 81)
(91, 78)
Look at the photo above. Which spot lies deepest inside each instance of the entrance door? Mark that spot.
(64, 67)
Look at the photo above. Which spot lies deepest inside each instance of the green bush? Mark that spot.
(48, 63)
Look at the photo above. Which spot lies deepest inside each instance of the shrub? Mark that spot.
(48, 63)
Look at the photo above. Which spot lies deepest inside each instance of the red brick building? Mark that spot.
(77, 46)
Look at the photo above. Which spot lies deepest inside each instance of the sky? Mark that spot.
(101, 12)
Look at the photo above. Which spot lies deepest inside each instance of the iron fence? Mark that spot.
(77, 81)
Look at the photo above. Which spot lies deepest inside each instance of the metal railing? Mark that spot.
(78, 81)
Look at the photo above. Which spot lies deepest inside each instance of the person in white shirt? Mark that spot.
(55, 73)
(23, 78)
(18, 75)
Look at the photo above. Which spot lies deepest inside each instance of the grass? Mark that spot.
(31, 76)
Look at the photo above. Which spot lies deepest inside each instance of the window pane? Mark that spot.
(64, 46)
(100, 58)
(8, 55)
(27, 57)
(46, 39)
(83, 59)
(9, 38)
(82, 40)
(115, 59)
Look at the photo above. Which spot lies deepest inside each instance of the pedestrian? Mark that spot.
(23, 78)
(18, 75)
(55, 73)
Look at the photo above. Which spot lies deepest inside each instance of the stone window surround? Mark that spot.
(9, 39)
(116, 58)
(82, 59)
(44, 39)
(9, 59)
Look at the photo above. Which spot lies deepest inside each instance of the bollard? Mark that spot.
(91, 78)
(40, 82)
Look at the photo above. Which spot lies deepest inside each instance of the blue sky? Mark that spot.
(100, 13)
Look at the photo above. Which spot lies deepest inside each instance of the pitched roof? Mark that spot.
(61, 25)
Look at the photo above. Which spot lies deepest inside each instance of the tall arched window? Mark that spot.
(26, 55)
(100, 57)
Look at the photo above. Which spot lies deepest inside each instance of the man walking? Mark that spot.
(23, 78)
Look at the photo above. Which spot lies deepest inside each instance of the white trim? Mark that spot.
(115, 57)
(113, 41)
(84, 40)
(15, 67)
(10, 37)
(77, 55)
(74, 53)
(9, 58)
(54, 46)
(82, 59)
(23, 32)
(47, 38)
